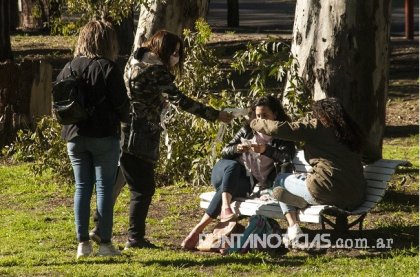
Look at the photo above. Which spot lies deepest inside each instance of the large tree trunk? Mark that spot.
(5, 47)
(35, 14)
(342, 48)
(173, 16)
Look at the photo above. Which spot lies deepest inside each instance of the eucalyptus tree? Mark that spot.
(342, 49)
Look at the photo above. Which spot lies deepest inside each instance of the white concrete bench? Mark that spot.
(377, 175)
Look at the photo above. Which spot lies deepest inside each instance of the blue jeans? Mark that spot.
(295, 184)
(227, 176)
(94, 161)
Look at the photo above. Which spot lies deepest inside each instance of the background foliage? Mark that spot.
(195, 146)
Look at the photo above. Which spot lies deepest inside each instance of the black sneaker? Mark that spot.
(143, 243)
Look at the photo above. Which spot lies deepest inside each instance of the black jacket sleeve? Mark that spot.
(229, 151)
(280, 151)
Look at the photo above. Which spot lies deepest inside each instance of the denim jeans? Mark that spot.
(94, 161)
(295, 183)
(227, 176)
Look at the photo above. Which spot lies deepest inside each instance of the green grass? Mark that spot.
(37, 234)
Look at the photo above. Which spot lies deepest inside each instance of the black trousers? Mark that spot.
(140, 177)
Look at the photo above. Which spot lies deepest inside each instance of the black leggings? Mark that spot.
(139, 175)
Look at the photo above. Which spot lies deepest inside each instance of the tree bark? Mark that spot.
(342, 48)
(125, 33)
(35, 14)
(13, 15)
(233, 13)
(5, 46)
(173, 16)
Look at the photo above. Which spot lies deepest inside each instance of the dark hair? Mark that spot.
(163, 44)
(330, 112)
(274, 105)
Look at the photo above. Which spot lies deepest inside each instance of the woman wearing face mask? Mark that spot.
(249, 158)
(150, 86)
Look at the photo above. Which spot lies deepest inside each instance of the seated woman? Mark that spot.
(333, 144)
(249, 158)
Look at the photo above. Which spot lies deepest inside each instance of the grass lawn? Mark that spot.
(37, 233)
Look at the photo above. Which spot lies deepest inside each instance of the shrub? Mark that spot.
(192, 139)
(270, 60)
(44, 148)
(195, 144)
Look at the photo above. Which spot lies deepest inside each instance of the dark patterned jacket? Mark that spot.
(281, 151)
(150, 86)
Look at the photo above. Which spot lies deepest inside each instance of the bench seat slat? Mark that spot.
(379, 170)
(390, 163)
(373, 198)
(376, 176)
(377, 184)
(375, 191)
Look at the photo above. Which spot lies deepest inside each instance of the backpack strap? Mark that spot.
(72, 72)
(85, 70)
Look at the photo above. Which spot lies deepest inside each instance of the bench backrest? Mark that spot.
(377, 175)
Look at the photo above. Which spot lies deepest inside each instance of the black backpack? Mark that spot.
(69, 98)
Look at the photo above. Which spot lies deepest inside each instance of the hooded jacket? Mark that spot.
(150, 86)
(104, 80)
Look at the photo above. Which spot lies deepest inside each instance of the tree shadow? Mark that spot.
(401, 131)
(400, 198)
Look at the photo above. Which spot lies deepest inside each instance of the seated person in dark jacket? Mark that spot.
(249, 158)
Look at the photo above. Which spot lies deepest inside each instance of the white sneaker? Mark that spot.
(84, 249)
(293, 234)
(108, 249)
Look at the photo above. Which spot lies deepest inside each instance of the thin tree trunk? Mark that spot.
(233, 13)
(125, 33)
(5, 47)
(173, 16)
(13, 15)
(342, 48)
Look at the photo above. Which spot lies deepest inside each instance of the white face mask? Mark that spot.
(173, 61)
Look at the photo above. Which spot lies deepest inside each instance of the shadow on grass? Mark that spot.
(399, 198)
(401, 131)
(219, 260)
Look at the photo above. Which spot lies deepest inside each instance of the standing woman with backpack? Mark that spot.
(93, 144)
(150, 85)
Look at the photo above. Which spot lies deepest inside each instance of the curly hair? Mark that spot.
(274, 105)
(331, 113)
(97, 39)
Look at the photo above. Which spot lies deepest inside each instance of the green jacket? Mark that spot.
(337, 177)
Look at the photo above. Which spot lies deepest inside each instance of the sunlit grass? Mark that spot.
(37, 234)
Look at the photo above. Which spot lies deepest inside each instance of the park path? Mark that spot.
(276, 16)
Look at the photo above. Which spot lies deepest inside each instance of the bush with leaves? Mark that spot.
(271, 60)
(193, 139)
(44, 148)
